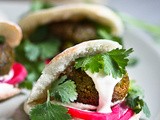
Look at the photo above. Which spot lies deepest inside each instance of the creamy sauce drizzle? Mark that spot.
(105, 87)
(7, 77)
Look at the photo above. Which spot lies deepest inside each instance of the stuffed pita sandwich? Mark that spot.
(11, 72)
(88, 81)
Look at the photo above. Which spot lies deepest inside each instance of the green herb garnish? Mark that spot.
(112, 62)
(64, 90)
(2, 39)
(105, 33)
(135, 100)
(49, 111)
(33, 56)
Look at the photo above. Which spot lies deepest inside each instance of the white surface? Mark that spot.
(146, 72)
(8, 107)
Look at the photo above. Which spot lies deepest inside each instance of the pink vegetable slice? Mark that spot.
(20, 74)
(119, 112)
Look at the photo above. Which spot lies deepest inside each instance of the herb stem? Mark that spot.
(48, 96)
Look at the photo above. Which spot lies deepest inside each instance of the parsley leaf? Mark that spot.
(119, 56)
(49, 111)
(31, 51)
(135, 100)
(32, 56)
(49, 49)
(90, 62)
(42, 50)
(64, 90)
(112, 62)
(135, 103)
(111, 67)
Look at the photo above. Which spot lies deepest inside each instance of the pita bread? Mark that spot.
(59, 63)
(76, 12)
(12, 33)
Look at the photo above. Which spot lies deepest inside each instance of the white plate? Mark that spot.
(146, 72)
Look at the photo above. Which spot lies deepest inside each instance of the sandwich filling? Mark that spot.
(96, 89)
(94, 86)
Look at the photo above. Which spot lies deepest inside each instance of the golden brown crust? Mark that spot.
(121, 89)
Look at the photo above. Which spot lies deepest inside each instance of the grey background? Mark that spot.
(147, 10)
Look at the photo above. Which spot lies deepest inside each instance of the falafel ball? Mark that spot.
(86, 90)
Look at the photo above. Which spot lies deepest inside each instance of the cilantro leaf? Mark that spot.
(49, 49)
(42, 50)
(119, 56)
(64, 90)
(49, 111)
(111, 67)
(31, 51)
(135, 103)
(89, 62)
(112, 62)
(32, 56)
(135, 100)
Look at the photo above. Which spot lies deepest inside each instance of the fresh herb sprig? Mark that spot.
(49, 111)
(64, 90)
(33, 56)
(135, 100)
(111, 63)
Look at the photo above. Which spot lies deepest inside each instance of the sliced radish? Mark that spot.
(20, 74)
(119, 112)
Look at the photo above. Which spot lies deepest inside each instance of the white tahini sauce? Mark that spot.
(7, 76)
(105, 87)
